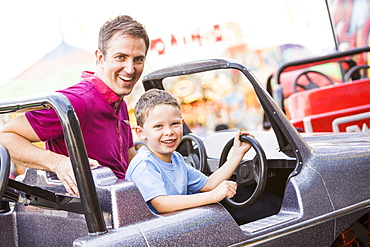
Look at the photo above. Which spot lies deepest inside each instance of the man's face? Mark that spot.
(121, 67)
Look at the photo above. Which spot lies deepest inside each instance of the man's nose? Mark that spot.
(129, 67)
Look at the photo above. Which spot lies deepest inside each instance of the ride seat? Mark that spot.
(329, 98)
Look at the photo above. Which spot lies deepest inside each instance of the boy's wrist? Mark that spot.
(211, 197)
(237, 155)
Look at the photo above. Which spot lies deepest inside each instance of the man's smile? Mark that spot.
(125, 78)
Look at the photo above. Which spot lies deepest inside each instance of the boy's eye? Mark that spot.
(157, 126)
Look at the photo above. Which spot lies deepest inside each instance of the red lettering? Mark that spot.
(173, 40)
(158, 46)
(217, 32)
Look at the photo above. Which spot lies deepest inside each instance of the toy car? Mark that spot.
(329, 93)
(318, 186)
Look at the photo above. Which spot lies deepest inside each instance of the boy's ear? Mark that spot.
(140, 133)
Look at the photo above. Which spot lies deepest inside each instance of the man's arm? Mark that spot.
(131, 153)
(17, 136)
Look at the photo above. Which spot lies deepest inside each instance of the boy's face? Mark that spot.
(122, 65)
(162, 131)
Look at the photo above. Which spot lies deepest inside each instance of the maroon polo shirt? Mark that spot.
(104, 122)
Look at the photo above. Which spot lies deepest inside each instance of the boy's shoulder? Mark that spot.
(145, 159)
(141, 154)
(140, 163)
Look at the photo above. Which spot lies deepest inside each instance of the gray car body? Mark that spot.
(326, 192)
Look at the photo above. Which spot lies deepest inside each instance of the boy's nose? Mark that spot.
(168, 131)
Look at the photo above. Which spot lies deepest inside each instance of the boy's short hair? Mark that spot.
(151, 99)
(126, 26)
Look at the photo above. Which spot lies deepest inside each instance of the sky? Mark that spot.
(32, 28)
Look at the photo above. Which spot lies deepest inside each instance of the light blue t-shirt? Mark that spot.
(155, 177)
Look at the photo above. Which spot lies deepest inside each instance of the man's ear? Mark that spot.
(99, 57)
(140, 133)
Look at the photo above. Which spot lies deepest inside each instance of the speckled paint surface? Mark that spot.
(326, 193)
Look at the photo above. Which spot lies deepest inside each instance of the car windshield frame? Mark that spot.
(289, 140)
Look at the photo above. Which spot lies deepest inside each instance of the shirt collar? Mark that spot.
(107, 93)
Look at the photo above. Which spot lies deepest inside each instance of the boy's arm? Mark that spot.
(166, 204)
(226, 170)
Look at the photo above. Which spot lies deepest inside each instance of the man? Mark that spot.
(99, 105)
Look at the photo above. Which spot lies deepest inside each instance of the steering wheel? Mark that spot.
(311, 84)
(356, 69)
(194, 152)
(248, 172)
(4, 170)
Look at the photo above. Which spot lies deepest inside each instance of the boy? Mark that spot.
(165, 181)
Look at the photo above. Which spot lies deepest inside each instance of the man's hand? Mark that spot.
(93, 163)
(65, 173)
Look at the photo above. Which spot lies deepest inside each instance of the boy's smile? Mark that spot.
(162, 131)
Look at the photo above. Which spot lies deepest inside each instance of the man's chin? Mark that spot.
(124, 92)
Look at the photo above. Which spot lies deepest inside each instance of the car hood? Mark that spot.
(345, 141)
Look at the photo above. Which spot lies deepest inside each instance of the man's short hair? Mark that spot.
(124, 24)
(151, 99)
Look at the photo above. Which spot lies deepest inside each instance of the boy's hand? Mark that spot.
(240, 148)
(224, 189)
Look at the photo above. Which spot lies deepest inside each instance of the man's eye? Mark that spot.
(139, 60)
